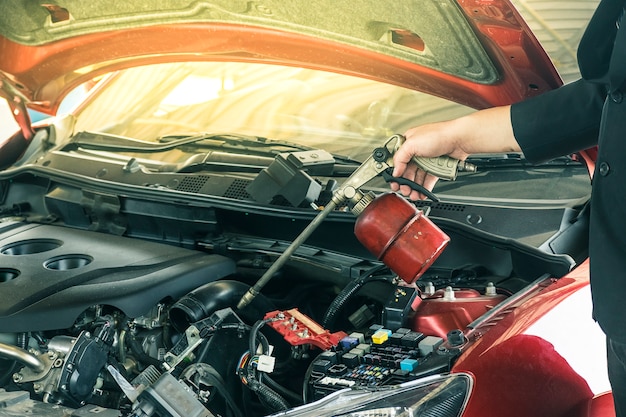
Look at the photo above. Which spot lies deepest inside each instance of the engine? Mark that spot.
(93, 322)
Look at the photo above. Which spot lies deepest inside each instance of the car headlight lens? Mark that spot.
(438, 396)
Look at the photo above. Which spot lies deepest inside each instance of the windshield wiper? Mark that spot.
(516, 160)
(113, 143)
(251, 145)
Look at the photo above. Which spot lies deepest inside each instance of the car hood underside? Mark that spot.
(479, 53)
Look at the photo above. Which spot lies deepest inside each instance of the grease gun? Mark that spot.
(405, 240)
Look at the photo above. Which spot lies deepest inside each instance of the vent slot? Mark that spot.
(192, 184)
(237, 190)
(441, 206)
(448, 207)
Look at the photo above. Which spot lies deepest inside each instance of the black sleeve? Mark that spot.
(559, 122)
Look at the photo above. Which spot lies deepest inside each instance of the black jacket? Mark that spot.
(588, 112)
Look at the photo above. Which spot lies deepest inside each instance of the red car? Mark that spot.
(203, 226)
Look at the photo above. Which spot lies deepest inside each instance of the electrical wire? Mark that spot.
(211, 377)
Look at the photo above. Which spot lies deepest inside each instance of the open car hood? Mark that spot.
(476, 52)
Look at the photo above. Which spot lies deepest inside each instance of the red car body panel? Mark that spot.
(437, 316)
(515, 371)
(601, 406)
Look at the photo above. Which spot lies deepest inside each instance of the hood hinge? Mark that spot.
(17, 102)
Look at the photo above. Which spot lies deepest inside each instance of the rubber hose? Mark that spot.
(254, 336)
(267, 396)
(205, 300)
(283, 391)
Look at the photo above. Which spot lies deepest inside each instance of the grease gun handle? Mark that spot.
(444, 167)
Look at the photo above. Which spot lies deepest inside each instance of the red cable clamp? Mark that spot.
(299, 329)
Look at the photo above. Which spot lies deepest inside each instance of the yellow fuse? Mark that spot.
(380, 337)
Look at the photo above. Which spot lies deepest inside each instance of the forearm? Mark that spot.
(485, 131)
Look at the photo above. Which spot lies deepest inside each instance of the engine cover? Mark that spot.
(49, 274)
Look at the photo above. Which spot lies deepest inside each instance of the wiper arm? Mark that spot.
(251, 144)
(219, 161)
(237, 140)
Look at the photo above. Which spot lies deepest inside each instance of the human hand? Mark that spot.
(424, 141)
(484, 131)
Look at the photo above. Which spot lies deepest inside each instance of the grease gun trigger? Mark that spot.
(380, 161)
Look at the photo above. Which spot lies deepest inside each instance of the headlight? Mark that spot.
(437, 396)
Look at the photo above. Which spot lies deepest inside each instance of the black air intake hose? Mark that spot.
(209, 298)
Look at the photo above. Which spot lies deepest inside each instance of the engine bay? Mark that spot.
(147, 323)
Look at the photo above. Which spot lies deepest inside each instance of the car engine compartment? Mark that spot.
(126, 306)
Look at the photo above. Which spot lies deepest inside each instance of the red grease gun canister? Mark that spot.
(400, 235)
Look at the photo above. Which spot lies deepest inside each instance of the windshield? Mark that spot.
(343, 115)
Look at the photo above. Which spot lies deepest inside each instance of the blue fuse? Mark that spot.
(409, 365)
(348, 342)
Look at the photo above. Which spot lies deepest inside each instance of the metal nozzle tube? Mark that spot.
(252, 292)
